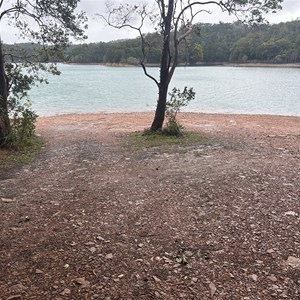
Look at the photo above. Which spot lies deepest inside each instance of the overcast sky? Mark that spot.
(98, 31)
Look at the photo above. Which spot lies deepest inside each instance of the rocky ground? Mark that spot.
(97, 216)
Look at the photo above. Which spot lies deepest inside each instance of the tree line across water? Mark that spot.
(210, 43)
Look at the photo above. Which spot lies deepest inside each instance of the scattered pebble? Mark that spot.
(293, 262)
(109, 256)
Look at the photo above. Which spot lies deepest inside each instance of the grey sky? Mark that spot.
(98, 31)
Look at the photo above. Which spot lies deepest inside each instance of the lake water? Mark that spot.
(96, 89)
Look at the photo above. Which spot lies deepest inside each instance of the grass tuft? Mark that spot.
(149, 139)
(10, 158)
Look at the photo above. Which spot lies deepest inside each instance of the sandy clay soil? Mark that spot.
(97, 216)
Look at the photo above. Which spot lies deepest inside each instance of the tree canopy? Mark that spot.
(50, 24)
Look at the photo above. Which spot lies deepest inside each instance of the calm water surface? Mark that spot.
(95, 89)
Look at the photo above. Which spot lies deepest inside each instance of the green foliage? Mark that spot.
(22, 127)
(208, 43)
(21, 78)
(278, 43)
(50, 24)
(177, 101)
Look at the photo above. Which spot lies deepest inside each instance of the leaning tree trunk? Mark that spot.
(4, 119)
(159, 117)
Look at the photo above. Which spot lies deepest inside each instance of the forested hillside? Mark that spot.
(209, 43)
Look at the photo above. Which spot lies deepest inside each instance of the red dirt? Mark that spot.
(96, 217)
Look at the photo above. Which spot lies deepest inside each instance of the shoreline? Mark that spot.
(138, 121)
(151, 113)
(214, 64)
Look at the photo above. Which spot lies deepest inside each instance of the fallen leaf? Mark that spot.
(213, 289)
(15, 297)
(19, 287)
(7, 200)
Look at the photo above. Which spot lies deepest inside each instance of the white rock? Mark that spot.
(254, 277)
(109, 256)
(7, 200)
(293, 262)
(291, 213)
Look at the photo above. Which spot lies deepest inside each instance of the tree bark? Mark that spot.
(4, 119)
(164, 70)
(159, 117)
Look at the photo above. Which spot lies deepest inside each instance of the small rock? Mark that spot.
(188, 253)
(109, 256)
(93, 249)
(82, 282)
(194, 279)
(270, 251)
(65, 292)
(293, 262)
(156, 279)
(254, 277)
(291, 213)
(37, 271)
(121, 276)
(140, 245)
(272, 278)
(275, 287)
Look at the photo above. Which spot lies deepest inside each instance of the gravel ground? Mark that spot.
(96, 216)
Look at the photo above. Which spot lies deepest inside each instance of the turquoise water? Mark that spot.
(96, 89)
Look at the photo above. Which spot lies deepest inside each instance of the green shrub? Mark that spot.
(177, 100)
(22, 128)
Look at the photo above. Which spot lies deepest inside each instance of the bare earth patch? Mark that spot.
(96, 217)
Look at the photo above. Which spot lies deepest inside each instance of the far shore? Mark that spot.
(220, 64)
(224, 64)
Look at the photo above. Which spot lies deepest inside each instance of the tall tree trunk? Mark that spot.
(164, 71)
(4, 119)
(159, 117)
